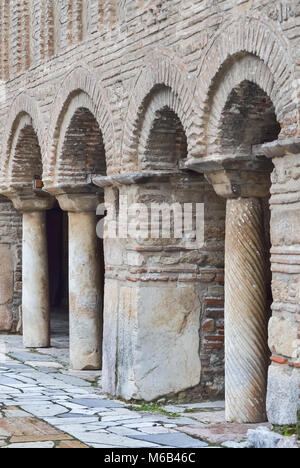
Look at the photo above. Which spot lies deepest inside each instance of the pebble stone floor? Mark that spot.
(45, 405)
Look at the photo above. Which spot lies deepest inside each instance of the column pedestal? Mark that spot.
(247, 356)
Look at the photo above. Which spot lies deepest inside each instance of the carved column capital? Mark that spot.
(30, 201)
(78, 198)
(233, 184)
(236, 176)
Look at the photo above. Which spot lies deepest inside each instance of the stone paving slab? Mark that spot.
(97, 403)
(29, 430)
(221, 432)
(174, 440)
(44, 405)
(212, 417)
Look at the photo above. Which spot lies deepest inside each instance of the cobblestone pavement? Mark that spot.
(45, 405)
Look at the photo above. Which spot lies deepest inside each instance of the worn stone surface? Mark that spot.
(10, 290)
(246, 358)
(173, 333)
(220, 432)
(40, 410)
(35, 292)
(288, 443)
(283, 395)
(283, 335)
(263, 438)
(85, 293)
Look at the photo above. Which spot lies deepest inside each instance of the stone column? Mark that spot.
(35, 292)
(84, 282)
(246, 349)
(35, 280)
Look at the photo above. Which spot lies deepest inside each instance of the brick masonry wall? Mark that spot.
(109, 55)
(11, 265)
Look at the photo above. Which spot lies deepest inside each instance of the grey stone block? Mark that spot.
(282, 396)
(262, 438)
(96, 403)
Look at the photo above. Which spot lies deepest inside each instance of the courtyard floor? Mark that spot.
(45, 405)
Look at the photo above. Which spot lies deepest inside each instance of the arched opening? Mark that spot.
(57, 239)
(167, 142)
(83, 151)
(26, 178)
(181, 326)
(26, 164)
(247, 121)
(80, 153)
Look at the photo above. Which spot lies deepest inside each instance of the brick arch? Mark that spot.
(162, 142)
(23, 112)
(246, 69)
(82, 89)
(161, 70)
(252, 36)
(80, 147)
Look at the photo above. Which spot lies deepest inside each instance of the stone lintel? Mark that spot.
(133, 178)
(280, 148)
(256, 161)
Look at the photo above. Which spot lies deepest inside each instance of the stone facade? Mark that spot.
(159, 101)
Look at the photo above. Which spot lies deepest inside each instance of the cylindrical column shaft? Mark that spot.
(245, 312)
(85, 293)
(35, 292)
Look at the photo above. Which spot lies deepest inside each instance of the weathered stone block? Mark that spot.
(282, 395)
(6, 274)
(263, 438)
(283, 336)
(158, 341)
(6, 318)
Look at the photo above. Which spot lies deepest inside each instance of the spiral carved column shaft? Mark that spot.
(245, 312)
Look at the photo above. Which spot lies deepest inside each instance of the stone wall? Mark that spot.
(11, 265)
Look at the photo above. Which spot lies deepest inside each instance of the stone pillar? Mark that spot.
(283, 395)
(84, 282)
(246, 351)
(155, 294)
(35, 280)
(35, 292)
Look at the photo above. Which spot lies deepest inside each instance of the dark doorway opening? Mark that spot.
(57, 238)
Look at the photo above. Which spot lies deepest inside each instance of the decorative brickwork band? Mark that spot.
(245, 313)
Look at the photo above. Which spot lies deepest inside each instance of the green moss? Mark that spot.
(286, 431)
(154, 408)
